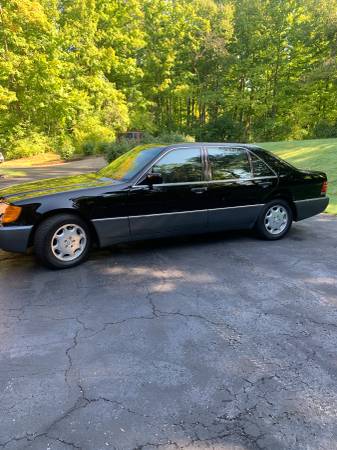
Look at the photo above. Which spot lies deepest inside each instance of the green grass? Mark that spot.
(317, 154)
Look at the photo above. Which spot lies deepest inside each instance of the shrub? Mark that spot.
(113, 150)
(172, 138)
(65, 148)
(30, 145)
(325, 129)
(224, 128)
(89, 134)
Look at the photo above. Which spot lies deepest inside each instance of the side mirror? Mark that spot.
(153, 178)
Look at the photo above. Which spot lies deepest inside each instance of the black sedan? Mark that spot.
(156, 191)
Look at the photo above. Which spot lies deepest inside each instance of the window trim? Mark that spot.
(265, 163)
(154, 162)
(207, 176)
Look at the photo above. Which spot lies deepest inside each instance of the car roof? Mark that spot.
(211, 144)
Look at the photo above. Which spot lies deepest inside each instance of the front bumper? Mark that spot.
(310, 207)
(15, 239)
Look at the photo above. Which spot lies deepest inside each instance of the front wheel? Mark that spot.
(275, 220)
(62, 241)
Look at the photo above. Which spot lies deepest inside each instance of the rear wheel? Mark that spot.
(275, 220)
(62, 241)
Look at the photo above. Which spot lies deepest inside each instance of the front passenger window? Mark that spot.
(180, 166)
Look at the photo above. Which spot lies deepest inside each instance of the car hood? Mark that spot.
(51, 186)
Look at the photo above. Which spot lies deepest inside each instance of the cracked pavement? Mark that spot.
(214, 342)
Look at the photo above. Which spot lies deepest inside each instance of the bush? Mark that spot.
(324, 129)
(222, 129)
(31, 145)
(90, 134)
(172, 138)
(64, 147)
(113, 150)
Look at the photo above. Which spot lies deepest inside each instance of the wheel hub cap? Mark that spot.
(69, 242)
(276, 219)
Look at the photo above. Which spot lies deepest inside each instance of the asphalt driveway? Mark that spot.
(221, 342)
(27, 174)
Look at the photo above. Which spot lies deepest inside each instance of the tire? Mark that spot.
(275, 220)
(62, 241)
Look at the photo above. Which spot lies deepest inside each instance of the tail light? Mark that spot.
(9, 213)
(324, 188)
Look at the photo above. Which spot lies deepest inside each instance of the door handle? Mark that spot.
(141, 187)
(199, 190)
(265, 184)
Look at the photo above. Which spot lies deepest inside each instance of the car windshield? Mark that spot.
(131, 163)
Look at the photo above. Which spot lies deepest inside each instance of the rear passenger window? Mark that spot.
(228, 163)
(260, 168)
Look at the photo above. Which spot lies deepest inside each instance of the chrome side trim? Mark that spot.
(230, 180)
(109, 218)
(236, 207)
(309, 200)
(177, 212)
(170, 213)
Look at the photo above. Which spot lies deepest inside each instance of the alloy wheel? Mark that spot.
(276, 219)
(68, 242)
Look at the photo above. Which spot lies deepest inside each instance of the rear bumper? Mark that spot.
(15, 239)
(310, 207)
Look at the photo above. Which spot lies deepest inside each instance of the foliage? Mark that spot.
(324, 129)
(32, 145)
(317, 154)
(79, 72)
(114, 149)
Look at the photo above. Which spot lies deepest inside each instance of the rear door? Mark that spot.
(237, 189)
(176, 206)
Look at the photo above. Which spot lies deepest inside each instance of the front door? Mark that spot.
(178, 205)
(237, 190)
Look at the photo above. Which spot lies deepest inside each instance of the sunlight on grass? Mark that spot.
(317, 154)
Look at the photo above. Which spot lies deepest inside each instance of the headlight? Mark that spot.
(9, 213)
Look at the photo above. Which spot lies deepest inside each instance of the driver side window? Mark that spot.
(180, 166)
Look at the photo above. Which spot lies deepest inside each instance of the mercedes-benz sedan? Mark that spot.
(156, 191)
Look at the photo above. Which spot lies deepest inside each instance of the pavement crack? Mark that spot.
(193, 316)
(118, 322)
(70, 361)
(158, 445)
(16, 439)
(316, 322)
(152, 305)
(117, 403)
(62, 441)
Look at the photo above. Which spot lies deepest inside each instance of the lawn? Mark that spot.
(317, 154)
